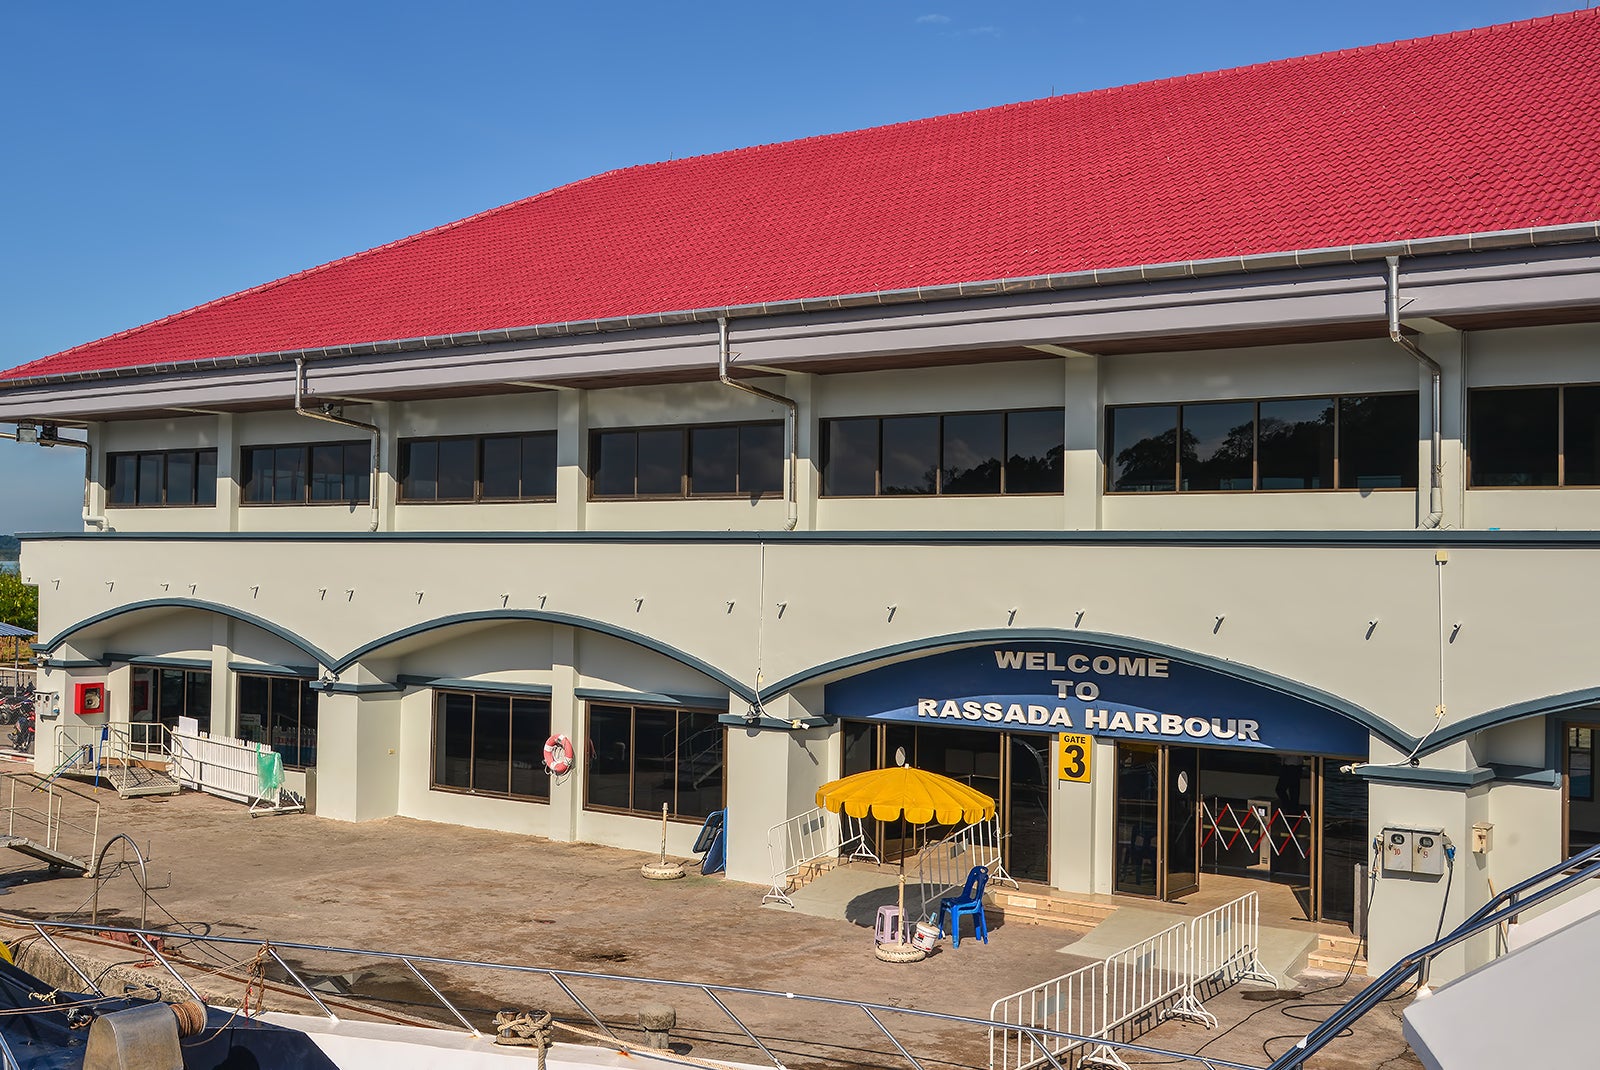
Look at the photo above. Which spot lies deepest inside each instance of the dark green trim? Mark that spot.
(651, 698)
(158, 662)
(1539, 707)
(544, 617)
(1368, 720)
(250, 668)
(493, 687)
(1526, 774)
(191, 603)
(1417, 775)
(335, 687)
(1399, 538)
(76, 663)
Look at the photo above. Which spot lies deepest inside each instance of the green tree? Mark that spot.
(19, 602)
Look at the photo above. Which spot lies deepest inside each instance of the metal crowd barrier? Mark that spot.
(1172, 968)
(942, 867)
(806, 840)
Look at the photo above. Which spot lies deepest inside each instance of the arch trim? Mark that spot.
(322, 658)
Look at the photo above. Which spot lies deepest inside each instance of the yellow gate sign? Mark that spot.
(1076, 752)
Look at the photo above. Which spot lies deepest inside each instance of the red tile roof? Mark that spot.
(1484, 130)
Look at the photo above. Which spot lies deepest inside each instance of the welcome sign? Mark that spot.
(1108, 693)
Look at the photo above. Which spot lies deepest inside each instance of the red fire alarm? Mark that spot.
(89, 699)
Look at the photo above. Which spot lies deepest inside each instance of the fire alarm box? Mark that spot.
(88, 699)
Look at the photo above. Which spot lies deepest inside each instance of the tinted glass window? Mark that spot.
(502, 467)
(180, 478)
(491, 744)
(539, 469)
(419, 471)
(660, 462)
(1218, 446)
(327, 473)
(1035, 442)
(614, 464)
(714, 460)
(850, 465)
(458, 468)
(610, 756)
(205, 489)
(289, 474)
(1143, 447)
(1513, 437)
(1378, 441)
(700, 765)
(973, 444)
(530, 727)
(910, 454)
(1581, 444)
(1296, 444)
(761, 459)
(452, 741)
(150, 465)
(124, 479)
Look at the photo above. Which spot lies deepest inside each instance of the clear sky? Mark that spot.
(157, 155)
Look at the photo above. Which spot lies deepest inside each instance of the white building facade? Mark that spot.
(1302, 542)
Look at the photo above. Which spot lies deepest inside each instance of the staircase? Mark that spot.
(1334, 953)
(1043, 906)
(139, 778)
(50, 822)
(135, 759)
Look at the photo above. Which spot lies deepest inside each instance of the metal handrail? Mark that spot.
(1498, 909)
(874, 1012)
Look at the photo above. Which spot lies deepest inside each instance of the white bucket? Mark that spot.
(926, 936)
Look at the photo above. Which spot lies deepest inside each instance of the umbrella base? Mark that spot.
(662, 871)
(899, 953)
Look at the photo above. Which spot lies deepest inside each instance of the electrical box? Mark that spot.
(1427, 853)
(1261, 811)
(1482, 837)
(1397, 850)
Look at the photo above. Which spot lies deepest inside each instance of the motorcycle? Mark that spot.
(22, 734)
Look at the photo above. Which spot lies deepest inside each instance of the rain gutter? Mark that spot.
(1520, 238)
(1398, 337)
(326, 413)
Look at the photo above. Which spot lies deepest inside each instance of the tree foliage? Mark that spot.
(19, 602)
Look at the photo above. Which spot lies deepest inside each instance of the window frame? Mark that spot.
(109, 480)
(685, 483)
(433, 748)
(477, 497)
(940, 465)
(1336, 398)
(677, 712)
(307, 451)
(302, 692)
(1560, 435)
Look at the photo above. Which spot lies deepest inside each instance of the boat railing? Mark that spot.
(915, 1024)
(36, 811)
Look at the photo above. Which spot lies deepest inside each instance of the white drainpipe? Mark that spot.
(793, 406)
(326, 414)
(1436, 462)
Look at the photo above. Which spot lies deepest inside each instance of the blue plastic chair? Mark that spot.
(969, 902)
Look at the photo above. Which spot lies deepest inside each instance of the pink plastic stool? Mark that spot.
(887, 929)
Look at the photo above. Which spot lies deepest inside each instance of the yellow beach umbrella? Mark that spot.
(916, 795)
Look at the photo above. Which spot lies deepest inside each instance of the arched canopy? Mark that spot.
(56, 641)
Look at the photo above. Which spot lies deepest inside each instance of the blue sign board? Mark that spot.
(1109, 693)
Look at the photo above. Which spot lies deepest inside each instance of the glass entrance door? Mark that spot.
(1138, 819)
(1180, 822)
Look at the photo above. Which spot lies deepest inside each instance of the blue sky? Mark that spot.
(159, 155)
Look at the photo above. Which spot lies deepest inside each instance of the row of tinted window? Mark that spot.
(490, 744)
(506, 468)
(640, 758)
(714, 460)
(326, 472)
(162, 477)
(961, 453)
(1545, 436)
(1359, 442)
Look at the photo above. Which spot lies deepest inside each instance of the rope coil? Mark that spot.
(525, 1029)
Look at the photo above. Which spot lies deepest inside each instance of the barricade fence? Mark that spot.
(807, 840)
(942, 867)
(1168, 971)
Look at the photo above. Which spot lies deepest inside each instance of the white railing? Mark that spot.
(1224, 947)
(87, 749)
(802, 841)
(942, 867)
(229, 768)
(40, 815)
(1208, 953)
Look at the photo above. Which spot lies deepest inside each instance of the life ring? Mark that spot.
(558, 754)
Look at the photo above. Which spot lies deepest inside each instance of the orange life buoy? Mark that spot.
(558, 754)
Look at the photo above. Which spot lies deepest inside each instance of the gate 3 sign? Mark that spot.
(1108, 693)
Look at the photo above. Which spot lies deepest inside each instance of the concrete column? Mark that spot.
(572, 460)
(388, 488)
(224, 715)
(1407, 909)
(358, 745)
(1083, 476)
(228, 473)
(566, 719)
(808, 449)
(773, 775)
(94, 491)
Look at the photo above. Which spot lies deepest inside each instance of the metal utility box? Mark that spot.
(1427, 853)
(1397, 851)
(1261, 811)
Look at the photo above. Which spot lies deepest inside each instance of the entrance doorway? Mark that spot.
(1293, 820)
(1014, 768)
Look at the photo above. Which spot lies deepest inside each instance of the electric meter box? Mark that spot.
(1419, 851)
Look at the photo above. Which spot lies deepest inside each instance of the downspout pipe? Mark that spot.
(325, 414)
(1436, 374)
(50, 439)
(793, 423)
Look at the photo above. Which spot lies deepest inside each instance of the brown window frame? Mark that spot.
(477, 497)
(166, 456)
(303, 692)
(939, 468)
(1561, 437)
(686, 490)
(433, 750)
(634, 708)
(308, 451)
